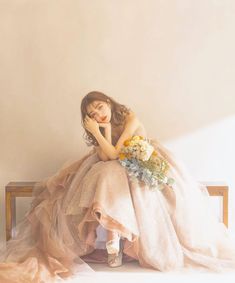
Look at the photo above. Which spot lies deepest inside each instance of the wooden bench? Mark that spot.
(13, 190)
(24, 189)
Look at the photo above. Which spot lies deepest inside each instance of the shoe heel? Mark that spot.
(115, 260)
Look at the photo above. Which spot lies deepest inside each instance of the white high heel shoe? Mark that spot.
(115, 252)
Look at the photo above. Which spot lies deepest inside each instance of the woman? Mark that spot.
(168, 229)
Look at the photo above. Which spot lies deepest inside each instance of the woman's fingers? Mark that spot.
(86, 119)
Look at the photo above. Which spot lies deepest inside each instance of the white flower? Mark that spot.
(165, 180)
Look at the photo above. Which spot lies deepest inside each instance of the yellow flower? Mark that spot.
(122, 156)
(154, 153)
(135, 138)
(126, 142)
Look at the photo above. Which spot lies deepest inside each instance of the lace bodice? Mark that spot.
(116, 133)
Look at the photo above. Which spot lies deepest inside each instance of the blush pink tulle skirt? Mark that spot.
(171, 229)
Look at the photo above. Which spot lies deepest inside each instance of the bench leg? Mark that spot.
(225, 208)
(10, 214)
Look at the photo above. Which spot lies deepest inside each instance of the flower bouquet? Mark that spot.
(143, 163)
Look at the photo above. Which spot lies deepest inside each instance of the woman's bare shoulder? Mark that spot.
(132, 116)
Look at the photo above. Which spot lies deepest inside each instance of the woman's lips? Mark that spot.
(103, 118)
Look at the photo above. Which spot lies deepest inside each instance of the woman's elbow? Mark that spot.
(104, 157)
(111, 156)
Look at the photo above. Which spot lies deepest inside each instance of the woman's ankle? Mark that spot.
(113, 235)
(112, 246)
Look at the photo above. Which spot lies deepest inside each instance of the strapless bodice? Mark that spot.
(118, 131)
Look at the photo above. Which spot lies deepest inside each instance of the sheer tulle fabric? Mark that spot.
(172, 229)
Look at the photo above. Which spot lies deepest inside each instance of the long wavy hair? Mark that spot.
(118, 113)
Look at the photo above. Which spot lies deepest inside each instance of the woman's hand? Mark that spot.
(91, 125)
(105, 125)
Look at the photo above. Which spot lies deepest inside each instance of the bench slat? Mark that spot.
(25, 189)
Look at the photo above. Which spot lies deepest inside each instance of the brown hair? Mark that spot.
(119, 112)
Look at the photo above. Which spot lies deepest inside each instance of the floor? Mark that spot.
(132, 273)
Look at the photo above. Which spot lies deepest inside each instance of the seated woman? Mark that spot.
(169, 229)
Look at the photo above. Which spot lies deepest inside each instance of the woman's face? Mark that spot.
(100, 111)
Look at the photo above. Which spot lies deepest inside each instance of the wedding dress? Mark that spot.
(170, 229)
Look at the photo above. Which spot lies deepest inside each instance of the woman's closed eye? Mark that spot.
(92, 115)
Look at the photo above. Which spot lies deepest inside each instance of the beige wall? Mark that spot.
(172, 61)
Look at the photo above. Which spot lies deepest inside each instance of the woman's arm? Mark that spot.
(108, 136)
(111, 151)
(101, 154)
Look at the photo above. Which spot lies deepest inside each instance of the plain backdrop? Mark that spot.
(170, 61)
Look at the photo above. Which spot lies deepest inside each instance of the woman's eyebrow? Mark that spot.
(95, 108)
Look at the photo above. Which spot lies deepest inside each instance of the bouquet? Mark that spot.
(143, 163)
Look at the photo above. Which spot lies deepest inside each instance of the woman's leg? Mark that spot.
(114, 248)
(112, 243)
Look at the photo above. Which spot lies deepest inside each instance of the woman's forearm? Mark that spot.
(108, 136)
(106, 144)
(101, 154)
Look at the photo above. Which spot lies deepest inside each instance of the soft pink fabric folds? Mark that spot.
(166, 230)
